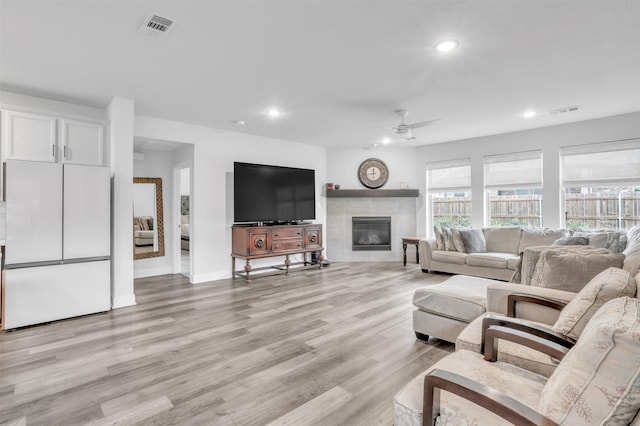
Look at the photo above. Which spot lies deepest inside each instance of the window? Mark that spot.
(449, 193)
(601, 185)
(513, 189)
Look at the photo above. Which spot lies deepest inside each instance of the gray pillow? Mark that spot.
(457, 239)
(571, 241)
(437, 231)
(474, 241)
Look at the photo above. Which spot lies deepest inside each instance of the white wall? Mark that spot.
(213, 157)
(158, 164)
(548, 139)
(343, 163)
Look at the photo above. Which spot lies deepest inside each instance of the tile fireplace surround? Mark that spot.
(402, 211)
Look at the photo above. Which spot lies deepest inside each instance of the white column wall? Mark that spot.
(121, 114)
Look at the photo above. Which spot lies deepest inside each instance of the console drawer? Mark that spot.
(284, 233)
(287, 245)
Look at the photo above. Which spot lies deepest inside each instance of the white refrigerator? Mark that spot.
(58, 242)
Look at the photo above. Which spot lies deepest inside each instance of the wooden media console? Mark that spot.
(258, 242)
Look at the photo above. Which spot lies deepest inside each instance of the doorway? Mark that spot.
(182, 200)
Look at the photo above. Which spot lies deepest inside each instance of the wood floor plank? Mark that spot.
(321, 347)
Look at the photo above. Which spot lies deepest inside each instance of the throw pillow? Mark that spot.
(633, 241)
(564, 269)
(448, 239)
(571, 241)
(614, 241)
(607, 285)
(473, 239)
(437, 231)
(598, 381)
(457, 239)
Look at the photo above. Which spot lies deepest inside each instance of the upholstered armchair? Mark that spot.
(597, 381)
(573, 316)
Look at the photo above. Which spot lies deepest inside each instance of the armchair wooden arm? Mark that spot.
(537, 343)
(512, 299)
(525, 326)
(477, 393)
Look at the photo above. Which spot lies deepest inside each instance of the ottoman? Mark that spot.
(445, 309)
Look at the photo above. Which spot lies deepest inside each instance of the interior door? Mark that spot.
(34, 212)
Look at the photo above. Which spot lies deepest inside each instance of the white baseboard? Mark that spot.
(211, 276)
(122, 301)
(152, 272)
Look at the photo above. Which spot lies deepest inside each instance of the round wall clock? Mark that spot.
(373, 173)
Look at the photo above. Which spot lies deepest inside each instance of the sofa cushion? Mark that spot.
(598, 381)
(474, 241)
(531, 255)
(491, 260)
(633, 241)
(571, 241)
(564, 269)
(470, 339)
(539, 237)
(502, 239)
(519, 384)
(461, 298)
(452, 257)
(608, 284)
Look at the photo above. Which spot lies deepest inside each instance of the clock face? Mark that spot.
(373, 173)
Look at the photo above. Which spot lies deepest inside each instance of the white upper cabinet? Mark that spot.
(29, 136)
(82, 142)
(35, 137)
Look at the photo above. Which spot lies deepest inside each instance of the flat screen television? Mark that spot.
(264, 193)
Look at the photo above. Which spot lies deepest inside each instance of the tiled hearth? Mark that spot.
(340, 211)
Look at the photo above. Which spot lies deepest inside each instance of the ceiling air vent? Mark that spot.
(564, 110)
(155, 25)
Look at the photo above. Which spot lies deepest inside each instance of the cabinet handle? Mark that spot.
(53, 151)
(66, 152)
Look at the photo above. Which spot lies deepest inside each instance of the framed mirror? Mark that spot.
(148, 222)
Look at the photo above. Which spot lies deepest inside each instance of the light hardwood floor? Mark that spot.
(325, 347)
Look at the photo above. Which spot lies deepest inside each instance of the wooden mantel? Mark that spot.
(367, 193)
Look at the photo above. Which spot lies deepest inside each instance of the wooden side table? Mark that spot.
(410, 240)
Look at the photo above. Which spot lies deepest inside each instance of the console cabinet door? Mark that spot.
(29, 136)
(82, 142)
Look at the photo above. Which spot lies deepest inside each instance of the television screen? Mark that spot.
(265, 193)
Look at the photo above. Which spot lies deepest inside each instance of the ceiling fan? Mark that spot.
(403, 130)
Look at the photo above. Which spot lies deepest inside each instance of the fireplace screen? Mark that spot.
(371, 233)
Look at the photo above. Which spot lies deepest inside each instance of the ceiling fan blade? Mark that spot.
(378, 127)
(423, 123)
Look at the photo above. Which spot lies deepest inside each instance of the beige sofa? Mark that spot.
(143, 232)
(444, 310)
(503, 245)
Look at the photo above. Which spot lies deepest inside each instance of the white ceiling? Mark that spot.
(336, 67)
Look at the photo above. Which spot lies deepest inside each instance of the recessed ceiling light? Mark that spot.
(386, 141)
(274, 112)
(446, 45)
(529, 114)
